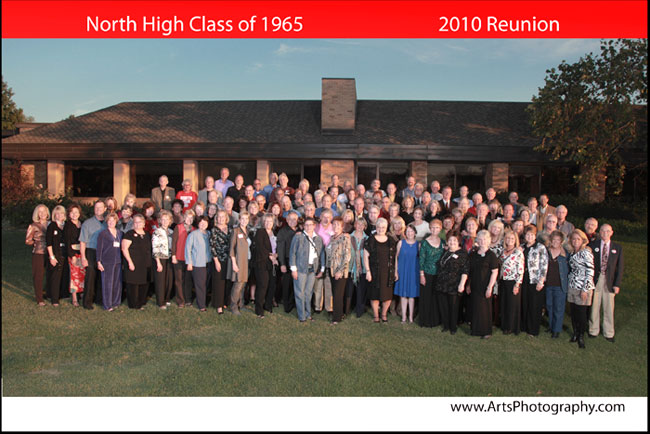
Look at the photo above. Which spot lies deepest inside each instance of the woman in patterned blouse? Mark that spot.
(452, 277)
(220, 247)
(581, 283)
(36, 237)
(161, 248)
(511, 276)
(338, 263)
(533, 295)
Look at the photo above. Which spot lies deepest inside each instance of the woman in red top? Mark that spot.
(182, 277)
(149, 209)
(188, 196)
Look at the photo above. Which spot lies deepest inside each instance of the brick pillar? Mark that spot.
(55, 177)
(496, 176)
(191, 172)
(596, 194)
(419, 171)
(343, 168)
(263, 171)
(121, 180)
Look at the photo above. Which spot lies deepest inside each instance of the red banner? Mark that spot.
(324, 19)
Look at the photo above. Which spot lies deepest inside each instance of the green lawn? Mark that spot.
(180, 352)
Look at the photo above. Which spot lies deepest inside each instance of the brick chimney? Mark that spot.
(338, 106)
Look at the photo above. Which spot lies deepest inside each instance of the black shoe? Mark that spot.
(444, 329)
(555, 335)
(574, 338)
(591, 336)
(610, 339)
(317, 311)
(581, 342)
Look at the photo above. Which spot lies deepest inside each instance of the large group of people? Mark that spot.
(416, 253)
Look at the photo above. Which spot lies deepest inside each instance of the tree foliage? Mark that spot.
(589, 111)
(11, 114)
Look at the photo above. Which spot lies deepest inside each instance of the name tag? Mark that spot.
(613, 251)
(55, 232)
(116, 244)
(240, 235)
(166, 197)
(455, 256)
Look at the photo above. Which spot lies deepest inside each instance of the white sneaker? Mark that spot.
(168, 303)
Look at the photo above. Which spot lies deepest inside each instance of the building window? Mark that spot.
(145, 174)
(471, 175)
(89, 178)
(445, 174)
(247, 169)
(559, 180)
(524, 180)
(296, 171)
(387, 172)
(36, 172)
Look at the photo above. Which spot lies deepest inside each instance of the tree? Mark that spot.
(589, 111)
(11, 114)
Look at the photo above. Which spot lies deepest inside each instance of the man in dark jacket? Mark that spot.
(608, 268)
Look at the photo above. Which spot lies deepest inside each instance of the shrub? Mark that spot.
(19, 198)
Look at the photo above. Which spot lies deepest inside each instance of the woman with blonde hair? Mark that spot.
(36, 237)
(408, 206)
(239, 254)
(348, 221)
(71, 232)
(161, 248)
(109, 263)
(407, 272)
(397, 228)
(111, 205)
(496, 228)
(511, 277)
(431, 250)
(483, 272)
(533, 295)
(581, 284)
(56, 250)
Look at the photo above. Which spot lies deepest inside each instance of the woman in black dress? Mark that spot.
(453, 270)
(56, 250)
(220, 247)
(483, 271)
(380, 251)
(136, 249)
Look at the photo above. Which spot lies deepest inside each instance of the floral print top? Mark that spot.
(161, 243)
(220, 243)
(512, 266)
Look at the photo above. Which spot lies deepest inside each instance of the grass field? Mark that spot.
(179, 352)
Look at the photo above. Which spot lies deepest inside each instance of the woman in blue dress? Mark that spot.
(407, 274)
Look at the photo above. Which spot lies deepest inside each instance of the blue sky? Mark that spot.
(53, 78)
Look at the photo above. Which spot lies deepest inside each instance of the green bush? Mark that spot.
(19, 214)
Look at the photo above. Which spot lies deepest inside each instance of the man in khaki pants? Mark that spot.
(608, 267)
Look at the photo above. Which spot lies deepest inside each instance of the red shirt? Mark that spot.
(189, 199)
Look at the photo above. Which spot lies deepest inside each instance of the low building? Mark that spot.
(125, 147)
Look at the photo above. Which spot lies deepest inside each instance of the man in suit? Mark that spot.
(608, 268)
(446, 204)
(163, 196)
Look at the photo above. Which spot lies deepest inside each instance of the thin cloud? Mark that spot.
(285, 49)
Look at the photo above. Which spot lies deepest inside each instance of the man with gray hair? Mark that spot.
(163, 196)
(608, 275)
(562, 224)
(209, 186)
(322, 284)
(435, 190)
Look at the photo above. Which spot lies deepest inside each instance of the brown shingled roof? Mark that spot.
(429, 123)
